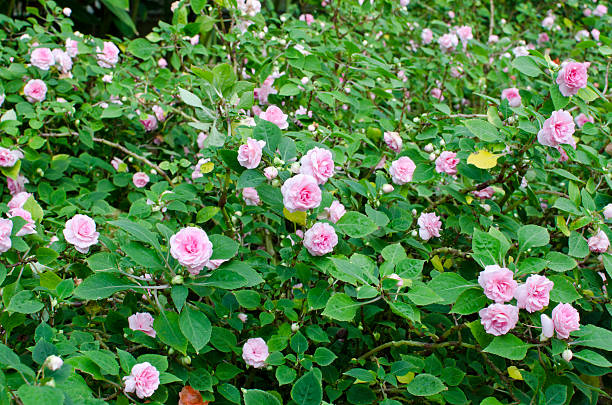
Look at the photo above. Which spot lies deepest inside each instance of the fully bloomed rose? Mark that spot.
(600, 10)
(8, 157)
(72, 47)
(499, 319)
(35, 90)
(335, 211)
(426, 36)
(149, 123)
(582, 119)
(142, 321)
(320, 239)
(42, 58)
(572, 77)
(80, 231)
(6, 227)
(249, 7)
(301, 193)
(250, 196)
(192, 248)
(512, 95)
(448, 42)
(557, 130)
(276, 116)
(307, 18)
(249, 154)
(599, 243)
(534, 294)
(393, 141)
(16, 186)
(447, 163)
(108, 56)
(401, 170)
(255, 352)
(566, 320)
(19, 200)
(62, 60)
(140, 179)
(143, 380)
(465, 34)
(30, 225)
(498, 283)
(430, 225)
(318, 163)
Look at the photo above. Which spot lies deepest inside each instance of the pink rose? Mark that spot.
(307, 18)
(447, 163)
(8, 157)
(72, 47)
(543, 38)
(599, 242)
(80, 231)
(534, 294)
(512, 95)
(243, 317)
(430, 225)
(572, 77)
(485, 193)
(499, 319)
(6, 227)
(140, 179)
(35, 90)
(214, 264)
(159, 113)
(270, 172)
(318, 163)
(335, 211)
(192, 248)
(548, 21)
(262, 93)
(498, 283)
(582, 119)
(607, 211)
(144, 380)
(149, 123)
(566, 319)
(249, 154)
(493, 39)
(250, 196)
(401, 170)
(426, 36)
(448, 42)
(62, 60)
(320, 239)
(301, 193)
(29, 227)
(255, 352)
(557, 130)
(595, 33)
(194, 40)
(42, 58)
(600, 10)
(548, 327)
(197, 170)
(437, 93)
(393, 141)
(201, 138)
(19, 200)
(465, 34)
(16, 186)
(142, 321)
(162, 63)
(108, 56)
(275, 116)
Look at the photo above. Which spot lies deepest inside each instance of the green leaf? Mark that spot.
(105, 360)
(270, 133)
(556, 394)
(138, 231)
(103, 261)
(307, 390)
(449, 286)
(341, 307)
(486, 248)
(559, 262)
(289, 89)
(142, 48)
(527, 66)
(530, 236)
(230, 392)
(224, 248)
(593, 336)
(422, 295)
(508, 346)
(248, 299)
(250, 178)
(564, 290)
(324, 356)
(394, 253)
(196, 327)
(37, 395)
(483, 130)
(469, 302)
(189, 98)
(299, 344)
(285, 375)
(25, 302)
(45, 255)
(592, 357)
(101, 285)
(356, 225)
(578, 246)
(258, 397)
(169, 331)
(559, 101)
(424, 385)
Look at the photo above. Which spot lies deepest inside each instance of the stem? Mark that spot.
(492, 18)
(414, 343)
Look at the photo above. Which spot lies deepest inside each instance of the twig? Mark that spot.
(492, 18)
(413, 343)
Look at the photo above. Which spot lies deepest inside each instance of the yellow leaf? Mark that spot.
(448, 263)
(298, 217)
(469, 199)
(437, 263)
(514, 373)
(407, 378)
(207, 167)
(483, 159)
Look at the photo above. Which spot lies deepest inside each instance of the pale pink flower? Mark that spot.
(318, 163)
(249, 154)
(8, 157)
(512, 95)
(80, 231)
(159, 113)
(534, 294)
(582, 34)
(214, 264)
(201, 138)
(262, 93)
(543, 38)
(250, 196)
(307, 18)
(387, 188)
(320, 239)
(572, 77)
(595, 34)
(42, 58)
(66, 11)
(335, 211)
(430, 225)
(194, 40)
(108, 56)
(600, 10)
(465, 34)
(162, 63)
(192, 248)
(249, 7)
(53, 362)
(393, 141)
(35, 90)
(448, 42)
(426, 36)
(143, 380)
(607, 211)
(142, 321)
(437, 93)
(243, 317)
(140, 179)
(566, 320)
(499, 319)
(270, 172)
(493, 39)
(107, 79)
(301, 193)
(582, 119)
(548, 327)
(401, 170)
(174, 6)
(599, 243)
(72, 47)
(19, 200)
(447, 163)
(149, 123)
(116, 163)
(255, 352)
(557, 130)
(275, 116)
(498, 283)
(30, 225)
(16, 186)
(197, 171)
(548, 21)
(63, 61)
(485, 193)
(587, 12)
(6, 227)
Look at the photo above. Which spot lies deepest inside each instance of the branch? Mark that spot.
(492, 18)
(414, 343)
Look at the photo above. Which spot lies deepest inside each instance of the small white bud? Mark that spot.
(295, 327)
(432, 156)
(428, 148)
(442, 142)
(567, 355)
(387, 188)
(54, 362)
(413, 233)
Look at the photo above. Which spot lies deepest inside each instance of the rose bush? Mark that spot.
(343, 202)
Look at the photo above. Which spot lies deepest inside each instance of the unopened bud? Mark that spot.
(428, 148)
(567, 355)
(387, 188)
(295, 327)
(178, 279)
(54, 362)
